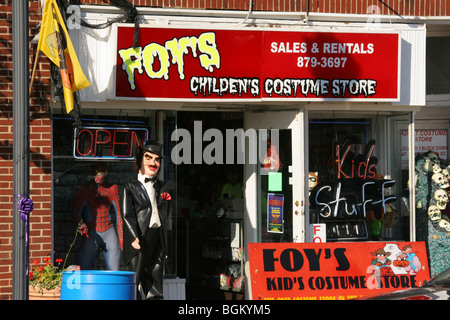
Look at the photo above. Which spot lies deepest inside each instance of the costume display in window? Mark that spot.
(96, 203)
(432, 210)
(146, 207)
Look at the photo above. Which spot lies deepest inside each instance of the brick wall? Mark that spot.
(40, 151)
(386, 7)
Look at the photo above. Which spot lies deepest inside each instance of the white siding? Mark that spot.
(96, 50)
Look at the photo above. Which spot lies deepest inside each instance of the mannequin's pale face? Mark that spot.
(151, 163)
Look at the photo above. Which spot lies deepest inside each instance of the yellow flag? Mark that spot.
(55, 43)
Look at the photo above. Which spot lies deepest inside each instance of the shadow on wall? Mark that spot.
(36, 158)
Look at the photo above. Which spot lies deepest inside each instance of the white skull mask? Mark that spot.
(444, 224)
(434, 213)
(436, 168)
(433, 157)
(446, 174)
(441, 197)
(438, 178)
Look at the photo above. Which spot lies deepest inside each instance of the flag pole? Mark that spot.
(38, 56)
(21, 157)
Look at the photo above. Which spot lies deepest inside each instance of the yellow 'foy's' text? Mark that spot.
(142, 59)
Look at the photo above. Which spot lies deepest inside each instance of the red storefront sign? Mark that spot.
(334, 271)
(178, 63)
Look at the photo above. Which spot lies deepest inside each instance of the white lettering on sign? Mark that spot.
(331, 48)
(208, 86)
(319, 87)
(288, 47)
(352, 48)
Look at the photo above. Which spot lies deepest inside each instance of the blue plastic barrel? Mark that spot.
(98, 285)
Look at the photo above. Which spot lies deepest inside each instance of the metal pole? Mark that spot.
(412, 186)
(20, 54)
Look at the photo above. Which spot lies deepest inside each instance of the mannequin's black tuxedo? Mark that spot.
(147, 262)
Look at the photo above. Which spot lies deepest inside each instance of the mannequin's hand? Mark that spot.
(135, 244)
(83, 229)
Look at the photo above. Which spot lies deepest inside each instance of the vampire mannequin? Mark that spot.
(146, 204)
(93, 203)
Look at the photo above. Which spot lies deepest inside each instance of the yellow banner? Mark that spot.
(55, 43)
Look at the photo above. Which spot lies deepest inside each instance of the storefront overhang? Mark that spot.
(118, 106)
(97, 51)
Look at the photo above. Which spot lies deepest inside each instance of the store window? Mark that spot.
(107, 143)
(357, 186)
(438, 66)
(432, 167)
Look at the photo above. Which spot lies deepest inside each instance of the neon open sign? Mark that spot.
(107, 142)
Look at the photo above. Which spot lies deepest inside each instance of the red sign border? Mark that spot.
(267, 274)
(262, 99)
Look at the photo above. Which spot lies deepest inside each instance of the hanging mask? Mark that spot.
(100, 177)
(313, 180)
(434, 213)
(444, 224)
(438, 178)
(433, 157)
(441, 197)
(446, 183)
(436, 168)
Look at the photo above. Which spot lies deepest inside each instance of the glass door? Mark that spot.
(274, 189)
